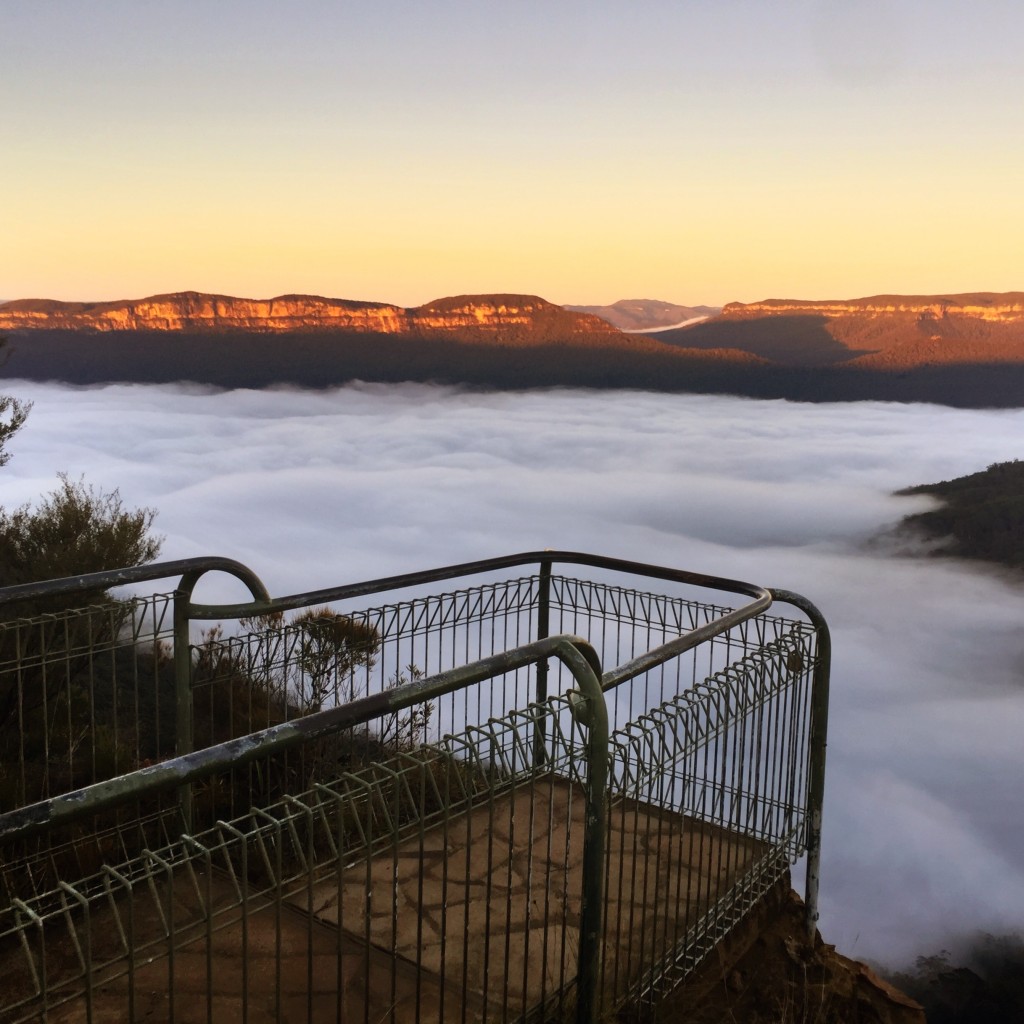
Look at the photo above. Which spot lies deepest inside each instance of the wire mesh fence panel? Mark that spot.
(434, 861)
(85, 695)
(710, 795)
(441, 883)
(623, 622)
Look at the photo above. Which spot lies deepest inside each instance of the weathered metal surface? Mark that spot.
(188, 569)
(818, 742)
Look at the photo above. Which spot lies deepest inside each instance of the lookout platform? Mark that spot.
(474, 919)
(546, 792)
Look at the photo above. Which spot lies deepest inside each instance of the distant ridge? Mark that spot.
(513, 316)
(883, 332)
(964, 350)
(987, 305)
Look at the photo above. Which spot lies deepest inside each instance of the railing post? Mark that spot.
(184, 739)
(816, 780)
(592, 712)
(540, 738)
(817, 742)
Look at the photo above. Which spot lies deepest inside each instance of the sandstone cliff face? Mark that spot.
(194, 311)
(1005, 307)
(881, 333)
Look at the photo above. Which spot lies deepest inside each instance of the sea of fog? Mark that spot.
(924, 824)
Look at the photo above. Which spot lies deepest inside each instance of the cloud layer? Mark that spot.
(923, 830)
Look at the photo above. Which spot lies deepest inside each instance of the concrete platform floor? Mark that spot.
(474, 919)
(489, 903)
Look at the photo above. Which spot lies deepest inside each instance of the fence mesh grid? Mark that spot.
(426, 865)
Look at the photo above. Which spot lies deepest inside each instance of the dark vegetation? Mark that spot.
(984, 984)
(87, 689)
(981, 515)
(327, 359)
(798, 340)
(87, 685)
(75, 529)
(767, 971)
(62, 721)
(12, 416)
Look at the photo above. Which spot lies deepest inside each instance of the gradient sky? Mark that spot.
(697, 152)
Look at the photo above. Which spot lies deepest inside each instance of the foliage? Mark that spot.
(984, 983)
(406, 730)
(982, 515)
(283, 670)
(55, 730)
(12, 415)
(76, 529)
(328, 648)
(229, 698)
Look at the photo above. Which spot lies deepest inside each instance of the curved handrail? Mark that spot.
(448, 572)
(190, 570)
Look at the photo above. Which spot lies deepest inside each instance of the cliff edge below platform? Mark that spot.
(768, 972)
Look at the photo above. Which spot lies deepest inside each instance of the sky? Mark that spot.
(923, 842)
(698, 152)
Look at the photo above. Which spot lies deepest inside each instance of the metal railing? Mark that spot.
(438, 807)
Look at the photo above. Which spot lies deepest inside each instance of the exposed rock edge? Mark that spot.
(768, 972)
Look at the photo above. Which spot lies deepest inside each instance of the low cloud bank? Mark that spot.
(923, 833)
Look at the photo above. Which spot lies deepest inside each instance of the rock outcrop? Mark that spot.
(524, 315)
(997, 307)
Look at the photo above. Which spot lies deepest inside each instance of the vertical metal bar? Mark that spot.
(84, 950)
(38, 976)
(127, 936)
(543, 626)
(91, 676)
(422, 802)
(446, 804)
(183, 738)
(168, 924)
(207, 909)
(339, 896)
(44, 663)
(275, 873)
(816, 782)
(817, 742)
(595, 718)
(242, 881)
(19, 671)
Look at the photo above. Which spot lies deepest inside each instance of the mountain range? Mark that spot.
(961, 349)
(883, 332)
(524, 316)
